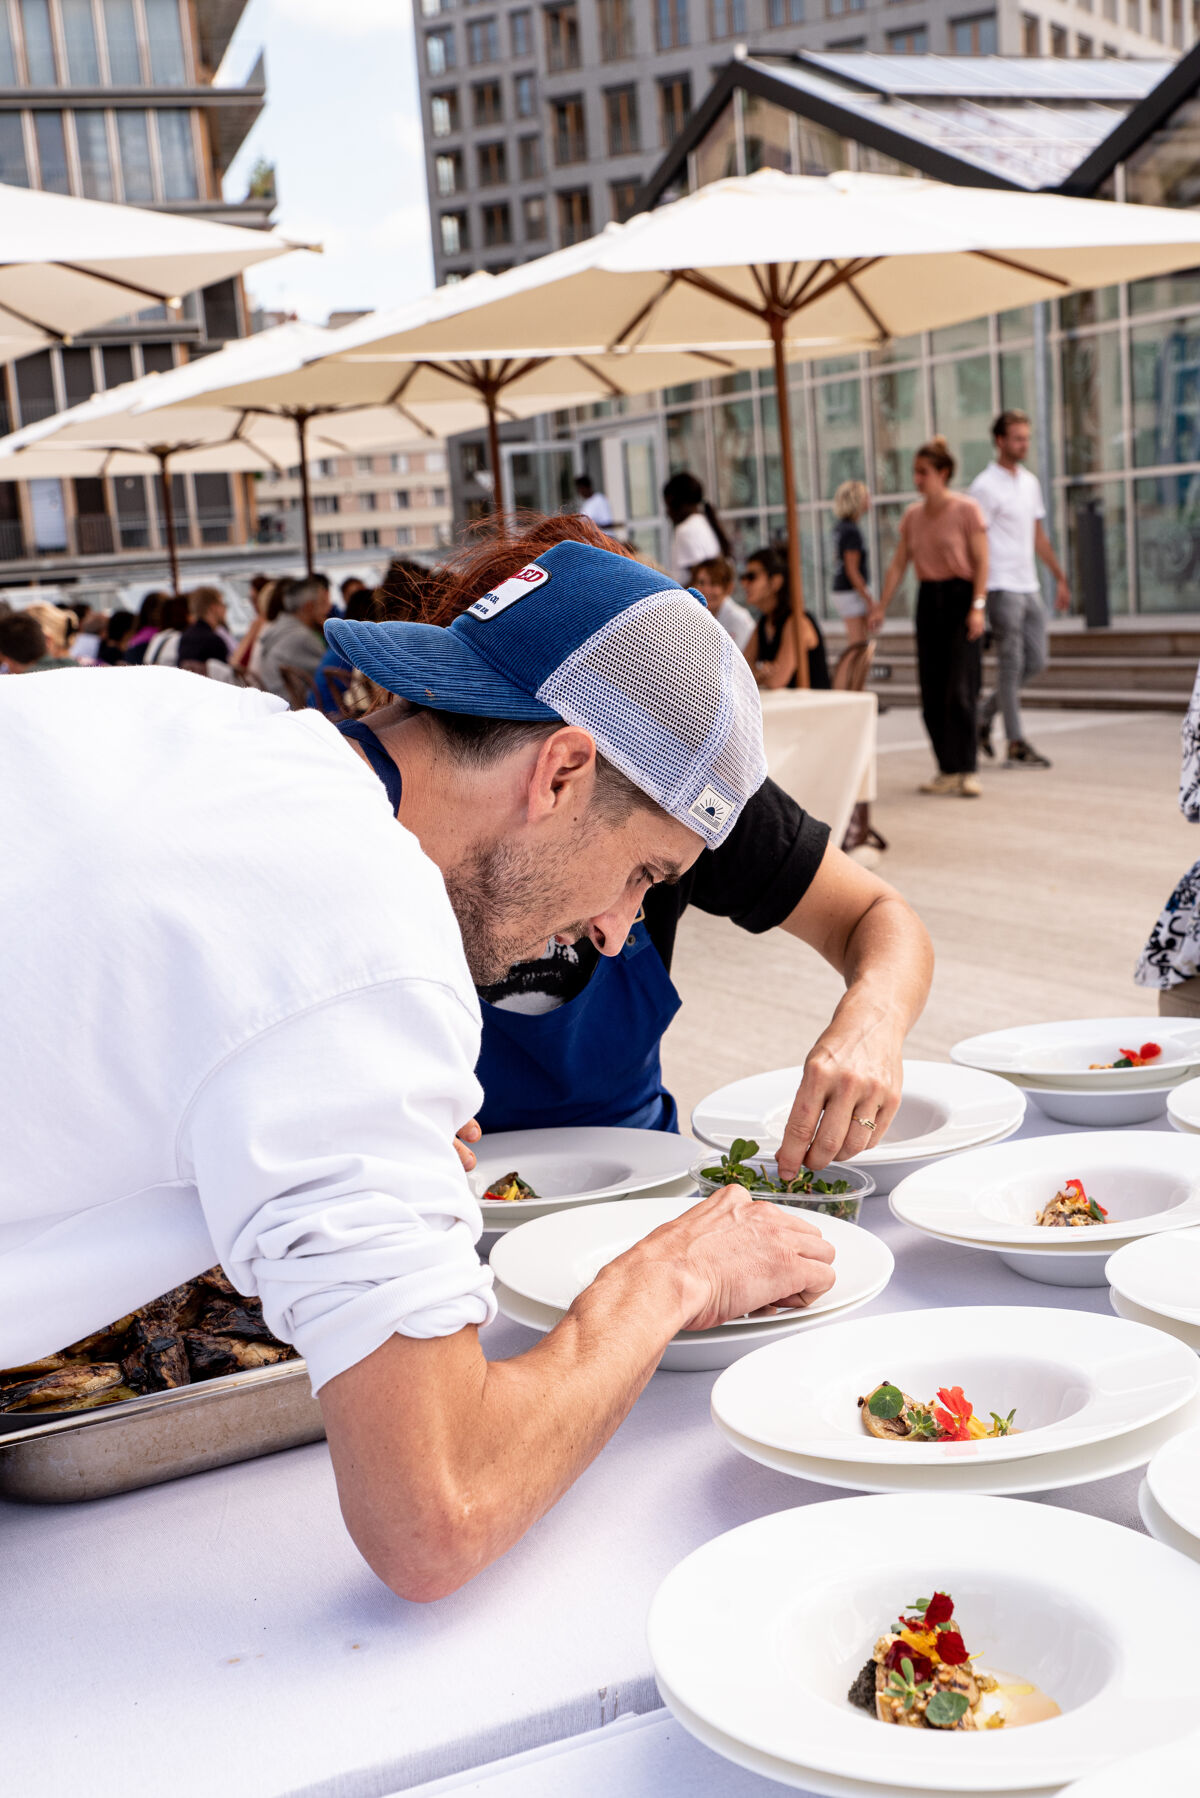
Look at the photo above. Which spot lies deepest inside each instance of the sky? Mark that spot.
(342, 124)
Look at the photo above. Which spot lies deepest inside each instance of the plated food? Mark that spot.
(510, 1189)
(197, 1331)
(1131, 1058)
(892, 1416)
(523, 1174)
(1071, 1209)
(1084, 1054)
(921, 1676)
(838, 1196)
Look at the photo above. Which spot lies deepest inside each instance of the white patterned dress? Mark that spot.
(1172, 954)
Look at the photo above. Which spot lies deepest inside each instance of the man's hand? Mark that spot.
(976, 623)
(733, 1253)
(853, 1071)
(469, 1133)
(1062, 595)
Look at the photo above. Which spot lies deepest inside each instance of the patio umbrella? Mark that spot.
(68, 265)
(793, 265)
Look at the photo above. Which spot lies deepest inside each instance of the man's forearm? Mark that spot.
(1045, 550)
(888, 965)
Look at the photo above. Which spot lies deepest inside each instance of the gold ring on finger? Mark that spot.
(867, 1123)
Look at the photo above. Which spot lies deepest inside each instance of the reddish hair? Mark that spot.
(482, 563)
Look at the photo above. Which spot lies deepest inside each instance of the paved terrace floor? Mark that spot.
(1038, 897)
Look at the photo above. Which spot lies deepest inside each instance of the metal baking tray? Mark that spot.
(63, 1457)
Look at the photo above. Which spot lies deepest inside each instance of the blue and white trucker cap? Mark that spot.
(597, 640)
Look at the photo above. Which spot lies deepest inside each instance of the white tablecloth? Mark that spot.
(821, 749)
(220, 1634)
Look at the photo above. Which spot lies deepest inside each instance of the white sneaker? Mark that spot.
(941, 783)
(969, 787)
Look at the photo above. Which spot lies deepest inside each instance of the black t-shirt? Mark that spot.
(201, 643)
(846, 535)
(757, 878)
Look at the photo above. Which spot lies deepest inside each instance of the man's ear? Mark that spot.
(564, 773)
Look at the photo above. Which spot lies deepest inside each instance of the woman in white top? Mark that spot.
(698, 534)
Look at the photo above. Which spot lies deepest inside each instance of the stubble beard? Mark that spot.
(497, 894)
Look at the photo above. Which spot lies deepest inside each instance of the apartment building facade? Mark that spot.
(118, 100)
(391, 503)
(543, 120)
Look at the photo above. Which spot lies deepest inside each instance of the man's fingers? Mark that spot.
(471, 1131)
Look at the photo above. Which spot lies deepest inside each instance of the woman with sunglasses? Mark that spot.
(774, 654)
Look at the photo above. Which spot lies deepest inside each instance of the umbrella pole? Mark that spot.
(493, 431)
(168, 501)
(301, 420)
(778, 324)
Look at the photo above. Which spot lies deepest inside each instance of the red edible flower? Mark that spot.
(1150, 1051)
(940, 1609)
(952, 1649)
(922, 1666)
(953, 1420)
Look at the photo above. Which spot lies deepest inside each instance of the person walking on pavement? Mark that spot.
(1010, 498)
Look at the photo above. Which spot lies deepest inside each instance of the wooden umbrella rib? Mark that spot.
(707, 285)
(870, 311)
(91, 274)
(795, 294)
(644, 312)
(598, 375)
(1022, 268)
(402, 386)
(710, 356)
(411, 417)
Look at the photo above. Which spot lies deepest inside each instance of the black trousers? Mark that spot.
(951, 671)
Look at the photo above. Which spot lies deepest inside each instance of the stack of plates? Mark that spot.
(1093, 1396)
(989, 1199)
(1183, 1107)
(943, 1110)
(1170, 1498)
(541, 1268)
(578, 1166)
(1053, 1063)
(1168, 1771)
(756, 1638)
(1157, 1281)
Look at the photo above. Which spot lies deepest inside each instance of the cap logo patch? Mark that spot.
(712, 809)
(509, 591)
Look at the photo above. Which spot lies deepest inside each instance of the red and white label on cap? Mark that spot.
(510, 591)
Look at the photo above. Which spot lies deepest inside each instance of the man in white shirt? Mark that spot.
(1011, 501)
(592, 504)
(271, 1057)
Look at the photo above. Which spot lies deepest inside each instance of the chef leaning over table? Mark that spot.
(266, 1060)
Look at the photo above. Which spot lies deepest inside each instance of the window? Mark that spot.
(447, 171)
(973, 37)
(133, 141)
(575, 215)
(404, 536)
(488, 103)
(1109, 8)
(157, 358)
(623, 195)
(570, 130)
(52, 151)
(850, 46)
(483, 41)
(34, 376)
(221, 313)
(95, 168)
(367, 502)
(39, 44)
(8, 54)
(835, 8)
(327, 540)
(1058, 41)
(401, 500)
(1084, 46)
(492, 161)
(674, 105)
(438, 496)
(1109, 50)
(727, 18)
(324, 503)
(399, 464)
(453, 226)
(520, 33)
(562, 37)
(529, 150)
(369, 539)
(439, 52)
(13, 168)
(533, 218)
(1156, 20)
(497, 225)
(525, 96)
(616, 30)
(324, 470)
(166, 43)
(1031, 35)
(785, 12)
(912, 41)
(621, 115)
(671, 24)
(1177, 24)
(443, 110)
(120, 35)
(79, 36)
(178, 154)
(431, 8)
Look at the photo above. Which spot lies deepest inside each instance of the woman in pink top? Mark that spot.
(945, 538)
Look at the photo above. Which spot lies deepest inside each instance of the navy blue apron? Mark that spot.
(594, 1060)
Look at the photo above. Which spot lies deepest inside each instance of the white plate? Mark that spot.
(1161, 1273)
(1163, 1530)
(1148, 1182)
(1170, 1326)
(760, 1633)
(1169, 1771)
(1065, 1266)
(1074, 1379)
(943, 1109)
(576, 1166)
(1174, 1481)
(1060, 1054)
(496, 1223)
(692, 1351)
(552, 1259)
(1183, 1106)
(1101, 1111)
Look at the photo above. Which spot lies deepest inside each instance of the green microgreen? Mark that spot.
(945, 1709)
(1002, 1426)
(902, 1684)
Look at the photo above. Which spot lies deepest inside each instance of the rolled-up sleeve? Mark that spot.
(322, 1152)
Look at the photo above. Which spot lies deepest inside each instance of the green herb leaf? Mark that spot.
(1124, 1062)
(918, 1604)
(740, 1149)
(1003, 1425)
(923, 1427)
(945, 1709)
(886, 1402)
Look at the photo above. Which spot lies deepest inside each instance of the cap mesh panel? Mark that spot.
(672, 703)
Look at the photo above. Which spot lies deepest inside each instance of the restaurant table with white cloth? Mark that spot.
(821, 749)
(221, 1632)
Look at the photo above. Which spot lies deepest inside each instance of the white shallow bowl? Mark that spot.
(1064, 1266)
(1169, 1771)
(1183, 1107)
(576, 1166)
(1170, 1326)
(552, 1259)
(1060, 1054)
(1161, 1273)
(1074, 1379)
(1148, 1182)
(760, 1633)
(1174, 1481)
(1101, 1111)
(497, 1224)
(692, 1351)
(943, 1109)
(1164, 1530)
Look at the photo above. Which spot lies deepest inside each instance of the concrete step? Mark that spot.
(904, 692)
(1096, 674)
